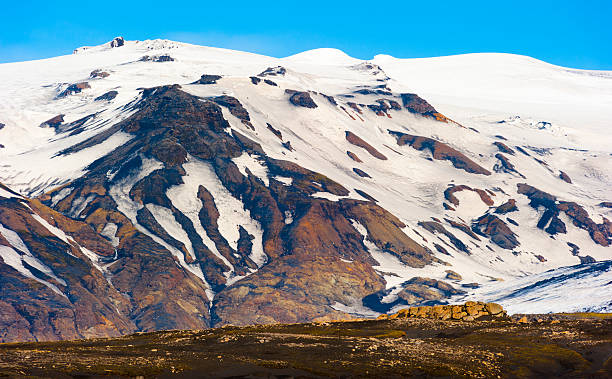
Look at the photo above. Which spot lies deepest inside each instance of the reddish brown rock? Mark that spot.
(74, 89)
(503, 148)
(565, 177)
(440, 151)
(235, 108)
(357, 141)
(53, 122)
(450, 191)
(107, 96)
(354, 157)
(275, 131)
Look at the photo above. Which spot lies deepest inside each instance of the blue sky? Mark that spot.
(568, 33)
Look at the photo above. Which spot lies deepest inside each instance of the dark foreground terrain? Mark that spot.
(559, 346)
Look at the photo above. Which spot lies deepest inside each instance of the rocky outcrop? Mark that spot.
(207, 79)
(270, 83)
(301, 99)
(357, 141)
(449, 194)
(157, 58)
(494, 228)
(361, 173)
(415, 291)
(440, 151)
(504, 165)
(255, 80)
(108, 96)
(117, 42)
(53, 122)
(503, 148)
(435, 227)
(470, 311)
(507, 207)
(73, 89)
(98, 74)
(273, 71)
(563, 176)
(354, 157)
(235, 108)
(600, 233)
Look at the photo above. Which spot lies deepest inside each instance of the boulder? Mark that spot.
(108, 96)
(208, 79)
(117, 42)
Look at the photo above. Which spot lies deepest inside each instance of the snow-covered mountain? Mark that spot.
(197, 186)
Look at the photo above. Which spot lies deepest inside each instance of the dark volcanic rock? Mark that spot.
(207, 79)
(157, 58)
(440, 151)
(275, 131)
(600, 233)
(117, 42)
(301, 99)
(361, 173)
(74, 89)
(503, 148)
(565, 177)
(274, 71)
(2, 126)
(235, 108)
(357, 141)
(435, 227)
(491, 226)
(108, 96)
(270, 83)
(255, 80)
(507, 207)
(98, 74)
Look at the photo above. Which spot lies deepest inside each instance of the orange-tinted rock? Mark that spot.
(565, 177)
(503, 148)
(354, 157)
(507, 207)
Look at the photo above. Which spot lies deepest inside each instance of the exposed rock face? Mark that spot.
(275, 131)
(53, 122)
(491, 226)
(270, 83)
(95, 74)
(255, 80)
(208, 79)
(440, 151)
(436, 227)
(74, 89)
(469, 311)
(452, 275)
(274, 71)
(415, 104)
(503, 148)
(354, 157)
(357, 141)
(507, 207)
(600, 233)
(157, 58)
(235, 108)
(449, 194)
(301, 99)
(117, 42)
(565, 177)
(505, 165)
(361, 173)
(108, 96)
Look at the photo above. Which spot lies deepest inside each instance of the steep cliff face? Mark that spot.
(226, 199)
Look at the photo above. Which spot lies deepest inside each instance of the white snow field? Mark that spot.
(558, 115)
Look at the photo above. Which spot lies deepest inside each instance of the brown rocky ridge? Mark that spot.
(440, 151)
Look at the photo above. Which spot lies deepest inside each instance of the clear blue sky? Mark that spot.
(569, 33)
